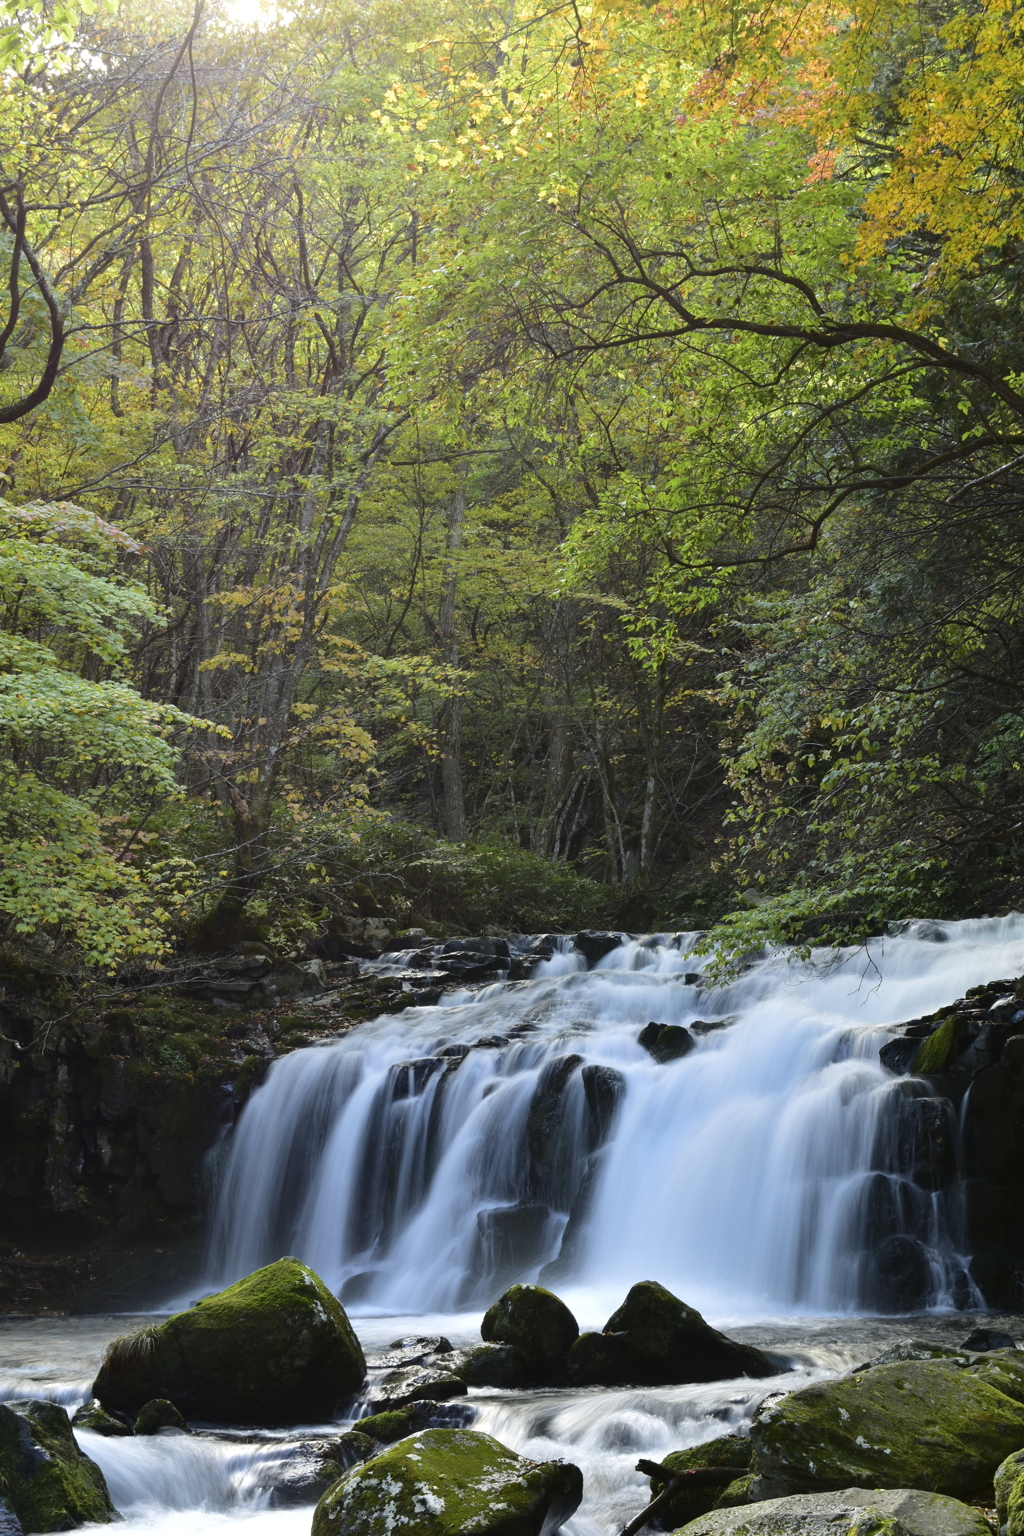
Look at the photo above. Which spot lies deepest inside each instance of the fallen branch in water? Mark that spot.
(702, 1477)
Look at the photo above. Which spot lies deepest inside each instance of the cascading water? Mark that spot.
(427, 1159)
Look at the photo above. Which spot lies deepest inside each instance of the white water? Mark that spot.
(737, 1176)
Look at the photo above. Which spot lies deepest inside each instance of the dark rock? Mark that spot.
(276, 1348)
(159, 1414)
(512, 1239)
(46, 1482)
(902, 1275)
(487, 1365)
(667, 1342)
(414, 1347)
(306, 1471)
(709, 1026)
(926, 1142)
(538, 1324)
(688, 1503)
(603, 1088)
(455, 1051)
(92, 1416)
(550, 1134)
(898, 1053)
(402, 941)
(601, 1360)
(498, 948)
(593, 946)
(897, 1512)
(10, 1525)
(574, 1233)
(445, 1482)
(410, 1384)
(983, 1339)
(666, 1042)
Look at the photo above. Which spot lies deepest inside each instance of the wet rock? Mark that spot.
(275, 1348)
(307, 1470)
(729, 1451)
(92, 1416)
(387, 1427)
(601, 1360)
(983, 1339)
(926, 1137)
(664, 1341)
(487, 1365)
(902, 1275)
(928, 1424)
(46, 1482)
(848, 1512)
(10, 1525)
(666, 1042)
(497, 948)
(914, 1349)
(603, 1088)
(1009, 1492)
(159, 1414)
(512, 1239)
(412, 1349)
(593, 946)
(445, 1482)
(537, 1323)
(549, 1132)
(410, 1385)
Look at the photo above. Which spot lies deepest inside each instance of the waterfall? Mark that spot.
(518, 1130)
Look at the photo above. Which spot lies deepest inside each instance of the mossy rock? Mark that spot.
(386, 1427)
(1009, 1488)
(729, 1451)
(922, 1424)
(450, 1482)
(92, 1416)
(538, 1324)
(846, 1512)
(275, 1348)
(656, 1340)
(159, 1413)
(487, 1365)
(940, 1049)
(44, 1477)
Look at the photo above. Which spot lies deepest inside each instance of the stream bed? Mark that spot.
(218, 1480)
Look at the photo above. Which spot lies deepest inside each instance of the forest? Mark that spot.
(508, 467)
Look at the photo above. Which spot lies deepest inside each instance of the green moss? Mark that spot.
(729, 1451)
(923, 1424)
(275, 1348)
(1009, 1489)
(939, 1050)
(537, 1323)
(387, 1427)
(450, 1482)
(48, 1483)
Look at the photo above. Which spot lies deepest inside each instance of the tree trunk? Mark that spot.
(451, 747)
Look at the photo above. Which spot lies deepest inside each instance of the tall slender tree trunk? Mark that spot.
(451, 749)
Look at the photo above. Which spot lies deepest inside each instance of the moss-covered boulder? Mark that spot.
(450, 1482)
(276, 1348)
(924, 1424)
(47, 1482)
(538, 1324)
(159, 1413)
(487, 1365)
(394, 1424)
(92, 1416)
(657, 1340)
(688, 1503)
(849, 1512)
(1009, 1487)
(413, 1384)
(666, 1042)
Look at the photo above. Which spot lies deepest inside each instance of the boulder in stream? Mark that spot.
(689, 1502)
(449, 1482)
(275, 1348)
(47, 1483)
(308, 1469)
(666, 1042)
(413, 1384)
(847, 1512)
(931, 1424)
(538, 1324)
(487, 1365)
(159, 1413)
(1009, 1489)
(92, 1416)
(654, 1339)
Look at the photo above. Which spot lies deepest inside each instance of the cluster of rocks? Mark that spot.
(971, 1132)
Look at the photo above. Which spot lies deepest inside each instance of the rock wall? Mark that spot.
(972, 1054)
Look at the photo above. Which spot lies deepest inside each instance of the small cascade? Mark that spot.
(518, 1130)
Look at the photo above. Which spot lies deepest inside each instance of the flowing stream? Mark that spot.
(517, 1130)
